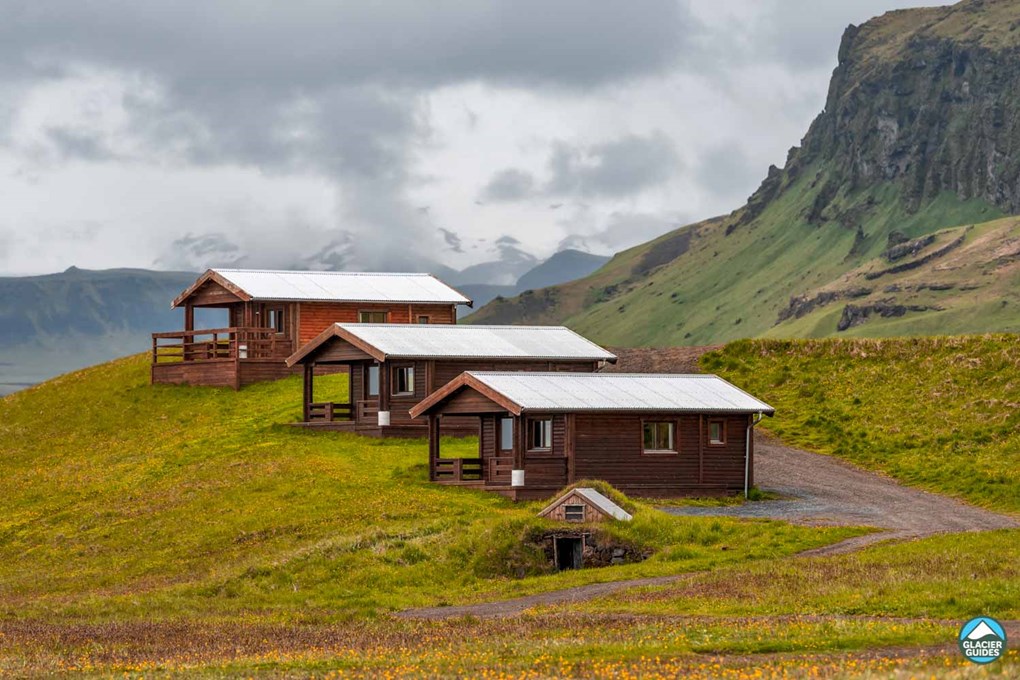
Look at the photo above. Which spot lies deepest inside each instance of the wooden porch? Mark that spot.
(225, 357)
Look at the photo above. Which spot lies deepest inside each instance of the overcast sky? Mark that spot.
(372, 135)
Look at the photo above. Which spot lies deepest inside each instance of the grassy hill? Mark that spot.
(941, 413)
(153, 529)
(916, 138)
(127, 499)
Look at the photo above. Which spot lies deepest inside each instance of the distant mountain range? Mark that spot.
(888, 219)
(56, 323)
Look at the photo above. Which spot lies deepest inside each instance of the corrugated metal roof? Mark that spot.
(604, 504)
(698, 393)
(421, 341)
(264, 284)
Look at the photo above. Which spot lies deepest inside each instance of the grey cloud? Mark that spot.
(726, 172)
(623, 230)
(616, 168)
(194, 252)
(79, 144)
(310, 44)
(510, 184)
(327, 87)
(623, 166)
(452, 240)
(804, 34)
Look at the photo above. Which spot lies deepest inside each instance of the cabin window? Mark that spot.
(372, 317)
(274, 320)
(423, 319)
(717, 432)
(659, 437)
(403, 380)
(506, 434)
(573, 513)
(373, 381)
(540, 434)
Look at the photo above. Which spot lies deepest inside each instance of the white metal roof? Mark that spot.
(596, 499)
(604, 504)
(696, 393)
(265, 284)
(449, 341)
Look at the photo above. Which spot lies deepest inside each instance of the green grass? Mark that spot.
(127, 500)
(166, 530)
(951, 577)
(939, 413)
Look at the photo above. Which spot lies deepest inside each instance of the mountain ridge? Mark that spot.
(917, 136)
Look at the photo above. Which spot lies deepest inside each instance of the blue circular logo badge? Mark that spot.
(982, 640)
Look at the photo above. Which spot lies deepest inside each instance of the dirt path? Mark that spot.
(824, 490)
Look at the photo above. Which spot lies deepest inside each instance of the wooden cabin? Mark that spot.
(646, 434)
(269, 314)
(393, 367)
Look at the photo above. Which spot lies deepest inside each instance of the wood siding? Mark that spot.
(445, 371)
(315, 317)
(222, 373)
(559, 512)
(610, 447)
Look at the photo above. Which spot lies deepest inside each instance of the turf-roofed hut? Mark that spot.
(646, 434)
(393, 367)
(272, 313)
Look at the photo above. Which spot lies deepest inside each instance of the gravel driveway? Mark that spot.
(825, 490)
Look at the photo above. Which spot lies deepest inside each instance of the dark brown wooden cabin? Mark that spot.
(393, 367)
(646, 434)
(269, 314)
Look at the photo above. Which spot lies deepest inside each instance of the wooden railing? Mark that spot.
(329, 412)
(458, 470)
(368, 410)
(219, 344)
(497, 470)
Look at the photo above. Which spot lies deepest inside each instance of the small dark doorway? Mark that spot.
(568, 552)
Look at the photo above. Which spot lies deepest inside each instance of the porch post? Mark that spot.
(434, 451)
(517, 473)
(307, 393)
(384, 394)
(189, 316)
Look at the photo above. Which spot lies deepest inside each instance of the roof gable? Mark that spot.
(619, 392)
(592, 498)
(452, 341)
(464, 382)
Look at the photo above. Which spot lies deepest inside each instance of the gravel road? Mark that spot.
(824, 490)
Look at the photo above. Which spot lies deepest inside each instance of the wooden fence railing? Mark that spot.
(498, 469)
(329, 412)
(458, 470)
(220, 343)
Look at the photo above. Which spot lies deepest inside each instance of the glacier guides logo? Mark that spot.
(982, 640)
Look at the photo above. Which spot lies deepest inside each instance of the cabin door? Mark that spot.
(368, 400)
(500, 456)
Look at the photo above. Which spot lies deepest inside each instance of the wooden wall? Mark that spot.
(610, 447)
(445, 371)
(315, 317)
(221, 373)
(591, 514)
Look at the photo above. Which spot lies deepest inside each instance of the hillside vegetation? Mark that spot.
(125, 499)
(942, 413)
(917, 137)
(173, 529)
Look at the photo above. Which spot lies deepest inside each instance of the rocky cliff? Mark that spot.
(920, 133)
